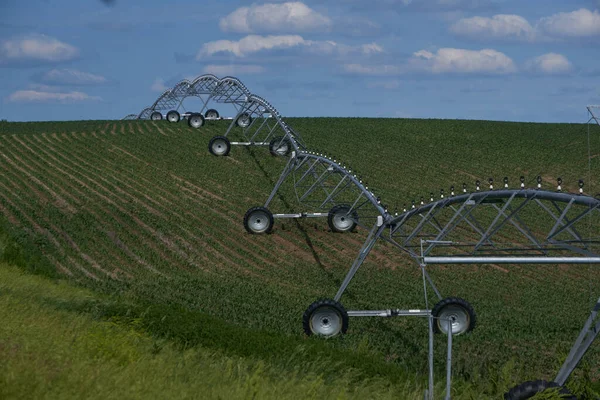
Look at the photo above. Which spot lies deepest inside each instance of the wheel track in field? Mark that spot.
(191, 247)
(65, 236)
(158, 128)
(170, 207)
(61, 202)
(75, 190)
(166, 241)
(39, 229)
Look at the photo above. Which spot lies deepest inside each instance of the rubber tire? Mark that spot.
(195, 115)
(173, 115)
(306, 318)
(456, 301)
(274, 148)
(337, 209)
(214, 152)
(527, 390)
(156, 116)
(247, 224)
(210, 111)
(241, 124)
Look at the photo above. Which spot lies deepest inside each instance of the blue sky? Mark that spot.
(516, 60)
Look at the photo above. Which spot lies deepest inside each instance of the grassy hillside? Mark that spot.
(141, 209)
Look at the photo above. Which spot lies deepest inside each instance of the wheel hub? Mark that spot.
(326, 321)
(259, 222)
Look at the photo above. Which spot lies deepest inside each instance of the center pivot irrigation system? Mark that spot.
(480, 227)
(489, 226)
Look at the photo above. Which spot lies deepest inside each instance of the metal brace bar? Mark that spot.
(576, 236)
(364, 252)
(587, 335)
(446, 230)
(312, 188)
(572, 222)
(506, 219)
(282, 177)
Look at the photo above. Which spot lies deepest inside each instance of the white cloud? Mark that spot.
(256, 43)
(449, 60)
(579, 23)
(501, 26)
(446, 60)
(72, 77)
(159, 85)
(437, 5)
(276, 18)
(550, 63)
(35, 48)
(35, 96)
(233, 69)
(250, 44)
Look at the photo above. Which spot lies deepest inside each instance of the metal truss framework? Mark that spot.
(205, 87)
(263, 125)
(323, 183)
(260, 121)
(481, 228)
(493, 226)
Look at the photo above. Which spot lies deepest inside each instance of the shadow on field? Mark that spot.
(307, 238)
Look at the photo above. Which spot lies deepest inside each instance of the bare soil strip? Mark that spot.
(158, 128)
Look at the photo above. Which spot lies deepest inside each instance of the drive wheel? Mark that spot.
(195, 121)
(529, 389)
(173, 116)
(342, 219)
(258, 220)
(156, 116)
(458, 311)
(280, 146)
(244, 120)
(325, 318)
(219, 146)
(211, 114)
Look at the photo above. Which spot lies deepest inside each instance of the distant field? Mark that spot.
(142, 209)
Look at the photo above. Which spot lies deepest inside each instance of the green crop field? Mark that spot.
(141, 213)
